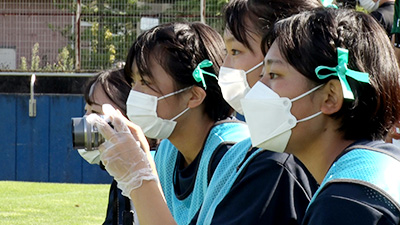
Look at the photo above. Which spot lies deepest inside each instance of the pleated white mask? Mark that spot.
(269, 118)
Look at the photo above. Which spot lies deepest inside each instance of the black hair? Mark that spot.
(311, 39)
(114, 84)
(178, 48)
(237, 20)
(244, 17)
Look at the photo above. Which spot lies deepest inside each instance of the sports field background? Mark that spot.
(52, 203)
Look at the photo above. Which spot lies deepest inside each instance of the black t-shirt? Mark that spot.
(353, 203)
(275, 188)
(185, 177)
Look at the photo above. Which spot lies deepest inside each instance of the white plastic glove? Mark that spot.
(92, 157)
(121, 154)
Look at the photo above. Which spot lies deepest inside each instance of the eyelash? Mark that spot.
(272, 75)
(235, 52)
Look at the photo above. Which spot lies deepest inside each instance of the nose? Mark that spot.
(228, 61)
(264, 79)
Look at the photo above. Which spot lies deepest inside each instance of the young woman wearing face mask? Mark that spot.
(331, 92)
(110, 87)
(174, 97)
(245, 26)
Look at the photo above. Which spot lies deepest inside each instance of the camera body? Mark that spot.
(85, 135)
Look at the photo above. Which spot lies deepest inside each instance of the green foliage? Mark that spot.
(65, 61)
(24, 66)
(111, 25)
(35, 58)
(52, 203)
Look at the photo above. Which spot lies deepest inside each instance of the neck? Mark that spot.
(319, 158)
(321, 149)
(190, 134)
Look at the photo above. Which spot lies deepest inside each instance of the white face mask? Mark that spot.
(141, 109)
(369, 5)
(269, 118)
(234, 86)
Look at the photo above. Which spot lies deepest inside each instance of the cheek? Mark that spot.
(166, 108)
(254, 76)
(297, 110)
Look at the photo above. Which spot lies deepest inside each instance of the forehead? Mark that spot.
(273, 55)
(158, 79)
(98, 95)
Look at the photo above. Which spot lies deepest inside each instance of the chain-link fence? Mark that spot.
(86, 35)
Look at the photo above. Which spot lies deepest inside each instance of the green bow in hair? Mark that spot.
(198, 72)
(328, 3)
(342, 71)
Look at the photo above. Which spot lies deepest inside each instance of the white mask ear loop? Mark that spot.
(180, 114)
(308, 92)
(309, 117)
(255, 67)
(300, 96)
(174, 93)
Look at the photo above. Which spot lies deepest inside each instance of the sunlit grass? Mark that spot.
(52, 203)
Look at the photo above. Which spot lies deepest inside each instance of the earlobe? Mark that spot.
(197, 97)
(333, 97)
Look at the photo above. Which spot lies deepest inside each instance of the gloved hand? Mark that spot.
(121, 154)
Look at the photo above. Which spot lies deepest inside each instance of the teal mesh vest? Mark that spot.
(371, 168)
(184, 210)
(224, 177)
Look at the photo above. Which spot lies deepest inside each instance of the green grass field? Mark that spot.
(52, 203)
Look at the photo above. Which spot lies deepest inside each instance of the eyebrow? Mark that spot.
(230, 39)
(271, 61)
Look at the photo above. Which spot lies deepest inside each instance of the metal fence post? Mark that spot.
(78, 36)
(203, 11)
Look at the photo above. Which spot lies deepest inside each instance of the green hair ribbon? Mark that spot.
(198, 72)
(328, 3)
(342, 71)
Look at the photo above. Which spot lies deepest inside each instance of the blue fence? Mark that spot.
(40, 148)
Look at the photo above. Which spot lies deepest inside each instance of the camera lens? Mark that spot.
(84, 135)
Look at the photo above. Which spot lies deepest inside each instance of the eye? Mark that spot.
(235, 52)
(273, 76)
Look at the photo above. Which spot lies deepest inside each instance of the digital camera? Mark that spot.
(85, 135)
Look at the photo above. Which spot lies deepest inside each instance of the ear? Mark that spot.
(198, 96)
(332, 97)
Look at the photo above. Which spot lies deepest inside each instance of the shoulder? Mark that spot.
(272, 189)
(229, 130)
(229, 124)
(339, 202)
(349, 189)
(164, 147)
(280, 163)
(376, 146)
